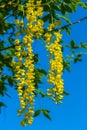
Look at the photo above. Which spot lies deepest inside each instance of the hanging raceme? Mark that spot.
(56, 66)
(24, 62)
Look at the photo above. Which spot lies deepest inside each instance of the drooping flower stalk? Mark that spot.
(56, 67)
(24, 63)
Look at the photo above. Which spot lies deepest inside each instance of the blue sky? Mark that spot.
(72, 114)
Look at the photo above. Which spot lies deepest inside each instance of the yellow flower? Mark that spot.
(30, 121)
(21, 8)
(18, 48)
(23, 123)
(17, 41)
(21, 23)
(60, 97)
(26, 115)
(24, 67)
(22, 104)
(16, 21)
(56, 67)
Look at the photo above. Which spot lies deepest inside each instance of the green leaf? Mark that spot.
(82, 4)
(66, 65)
(46, 113)
(42, 71)
(41, 93)
(37, 112)
(67, 1)
(73, 6)
(67, 30)
(2, 88)
(65, 8)
(72, 44)
(68, 9)
(39, 73)
(65, 93)
(65, 18)
(46, 17)
(83, 45)
(56, 7)
(11, 83)
(2, 104)
(1, 15)
(78, 58)
(36, 60)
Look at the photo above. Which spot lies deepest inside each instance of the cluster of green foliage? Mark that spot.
(55, 10)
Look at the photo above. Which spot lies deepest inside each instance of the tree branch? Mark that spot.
(67, 25)
(78, 21)
(6, 48)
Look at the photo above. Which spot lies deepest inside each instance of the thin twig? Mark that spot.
(6, 48)
(78, 21)
(67, 25)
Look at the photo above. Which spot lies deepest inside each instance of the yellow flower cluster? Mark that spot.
(25, 79)
(24, 63)
(33, 13)
(56, 68)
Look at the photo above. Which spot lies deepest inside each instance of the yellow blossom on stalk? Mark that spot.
(52, 26)
(33, 12)
(24, 62)
(56, 68)
(17, 41)
(30, 121)
(18, 47)
(21, 8)
(48, 37)
(26, 78)
(21, 22)
(24, 66)
(16, 21)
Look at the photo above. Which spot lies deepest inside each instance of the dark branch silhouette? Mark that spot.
(67, 25)
(6, 48)
(78, 21)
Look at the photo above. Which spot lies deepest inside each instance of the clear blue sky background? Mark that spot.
(72, 114)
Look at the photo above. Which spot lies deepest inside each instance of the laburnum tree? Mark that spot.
(22, 24)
